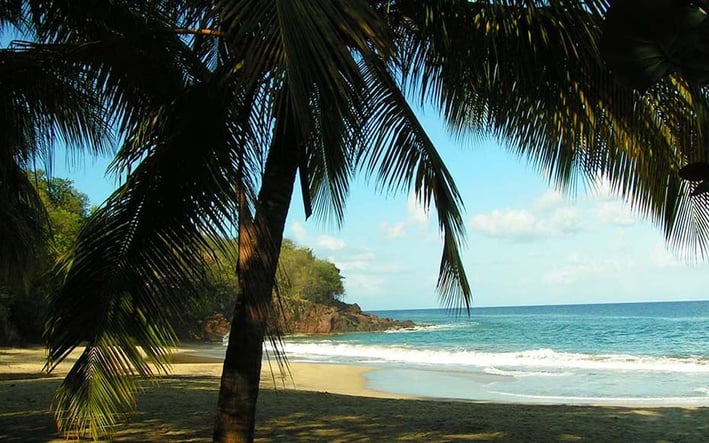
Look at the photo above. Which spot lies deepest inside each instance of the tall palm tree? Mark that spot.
(222, 105)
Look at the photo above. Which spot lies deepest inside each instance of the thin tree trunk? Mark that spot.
(259, 245)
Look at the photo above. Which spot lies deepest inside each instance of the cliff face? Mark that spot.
(304, 317)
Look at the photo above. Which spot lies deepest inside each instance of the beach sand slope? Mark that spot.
(330, 403)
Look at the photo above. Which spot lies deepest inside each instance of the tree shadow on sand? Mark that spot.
(182, 409)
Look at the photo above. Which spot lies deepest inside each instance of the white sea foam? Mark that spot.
(496, 371)
(538, 359)
(417, 328)
(704, 390)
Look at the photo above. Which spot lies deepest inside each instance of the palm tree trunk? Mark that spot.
(259, 245)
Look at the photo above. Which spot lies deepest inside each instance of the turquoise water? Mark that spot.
(644, 353)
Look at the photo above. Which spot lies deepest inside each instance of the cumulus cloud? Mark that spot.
(615, 213)
(576, 269)
(550, 200)
(601, 189)
(524, 225)
(356, 262)
(365, 282)
(330, 243)
(392, 231)
(298, 232)
(565, 220)
(416, 216)
(565, 275)
(661, 258)
(416, 213)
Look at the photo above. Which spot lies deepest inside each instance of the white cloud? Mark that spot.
(565, 220)
(615, 213)
(416, 212)
(397, 230)
(602, 189)
(507, 224)
(565, 275)
(330, 243)
(661, 258)
(361, 261)
(523, 225)
(416, 215)
(578, 268)
(298, 232)
(352, 265)
(549, 200)
(364, 282)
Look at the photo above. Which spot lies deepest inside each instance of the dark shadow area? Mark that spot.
(182, 409)
(302, 416)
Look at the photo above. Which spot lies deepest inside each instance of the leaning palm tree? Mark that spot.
(246, 98)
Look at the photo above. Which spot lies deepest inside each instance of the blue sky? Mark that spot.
(527, 244)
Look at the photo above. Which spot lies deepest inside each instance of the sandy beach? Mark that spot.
(329, 403)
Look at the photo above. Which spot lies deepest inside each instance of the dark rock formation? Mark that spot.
(304, 317)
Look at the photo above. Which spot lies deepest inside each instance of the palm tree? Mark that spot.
(243, 97)
(661, 42)
(43, 98)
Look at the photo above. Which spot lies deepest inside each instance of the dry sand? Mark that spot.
(330, 403)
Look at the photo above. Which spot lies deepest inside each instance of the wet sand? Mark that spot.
(329, 403)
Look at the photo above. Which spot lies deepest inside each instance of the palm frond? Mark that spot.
(130, 52)
(529, 73)
(313, 46)
(46, 100)
(10, 14)
(399, 154)
(25, 223)
(145, 244)
(43, 101)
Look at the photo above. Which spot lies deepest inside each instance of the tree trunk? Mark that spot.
(259, 245)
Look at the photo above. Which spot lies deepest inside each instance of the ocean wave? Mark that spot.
(703, 390)
(496, 371)
(423, 327)
(539, 359)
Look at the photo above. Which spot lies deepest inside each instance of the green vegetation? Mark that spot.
(23, 308)
(23, 304)
(301, 276)
(222, 107)
(306, 277)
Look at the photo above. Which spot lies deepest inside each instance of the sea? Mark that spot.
(626, 353)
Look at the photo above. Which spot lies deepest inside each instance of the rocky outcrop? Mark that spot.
(304, 317)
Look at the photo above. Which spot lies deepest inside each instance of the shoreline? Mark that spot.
(195, 360)
(353, 380)
(330, 403)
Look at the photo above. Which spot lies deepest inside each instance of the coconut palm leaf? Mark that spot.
(131, 51)
(43, 100)
(10, 14)
(321, 46)
(400, 155)
(141, 248)
(530, 74)
(24, 225)
(645, 40)
(316, 44)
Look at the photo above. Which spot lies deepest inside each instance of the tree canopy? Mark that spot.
(23, 306)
